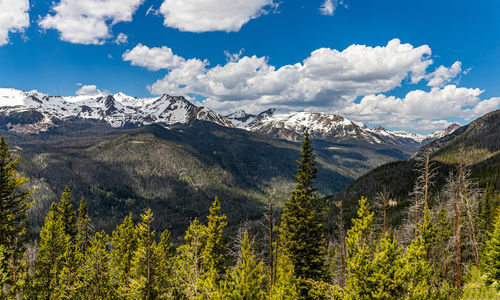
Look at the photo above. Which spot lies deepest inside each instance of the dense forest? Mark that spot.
(444, 243)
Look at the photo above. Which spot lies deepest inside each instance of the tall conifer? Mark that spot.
(492, 253)
(303, 219)
(123, 247)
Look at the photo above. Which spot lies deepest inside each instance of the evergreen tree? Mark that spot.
(303, 220)
(360, 282)
(287, 285)
(163, 283)
(67, 213)
(492, 254)
(386, 263)
(123, 246)
(145, 261)
(84, 227)
(96, 274)
(188, 264)
(444, 231)
(416, 273)
(13, 211)
(49, 261)
(247, 279)
(213, 252)
(427, 230)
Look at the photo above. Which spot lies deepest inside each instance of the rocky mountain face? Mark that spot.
(33, 112)
(329, 127)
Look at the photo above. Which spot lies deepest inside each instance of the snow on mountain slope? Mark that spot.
(117, 110)
(291, 126)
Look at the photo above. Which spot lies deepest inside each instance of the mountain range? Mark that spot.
(33, 112)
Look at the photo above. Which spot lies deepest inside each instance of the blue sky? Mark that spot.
(286, 54)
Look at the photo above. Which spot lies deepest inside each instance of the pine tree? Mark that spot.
(13, 211)
(213, 252)
(163, 283)
(247, 279)
(427, 230)
(96, 274)
(71, 261)
(123, 246)
(492, 253)
(444, 232)
(67, 213)
(416, 273)
(49, 261)
(360, 282)
(303, 220)
(287, 285)
(188, 264)
(386, 264)
(145, 261)
(84, 227)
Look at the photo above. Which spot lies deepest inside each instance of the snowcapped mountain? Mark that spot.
(327, 126)
(32, 112)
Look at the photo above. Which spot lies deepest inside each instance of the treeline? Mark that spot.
(444, 249)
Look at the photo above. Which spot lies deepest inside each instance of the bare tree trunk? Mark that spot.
(342, 245)
(458, 228)
(426, 179)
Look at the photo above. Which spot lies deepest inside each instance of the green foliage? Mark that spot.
(247, 279)
(360, 247)
(49, 261)
(123, 247)
(96, 273)
(476, 286)
(386, 265)
(67, 213)
(13, 212)
(416, 272)
(145, 261)
(287, 285)
(188, 264)
(492, 254)
(163, 283)
(84, 227)
(303, 232)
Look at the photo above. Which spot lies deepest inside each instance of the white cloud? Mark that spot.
(421, 109)
(89, 90)
(89, 21)
(14, 17)
(212, 15)
(327, 78)
(327, 8)
(443, 75)
(153, 59)
(121, 39)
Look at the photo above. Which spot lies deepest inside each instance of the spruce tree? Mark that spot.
(96, 274)
(416, 272)
(303, 220)
(492, 253)
(188, 263)
(49, 261)
(13, 211)
(386, 263)
(360, 282)
(163, 283)
(84, 227)
(287, 285)
(213, 252)
(145, 261)
(123, 247)
(247, 279)
(67, 213)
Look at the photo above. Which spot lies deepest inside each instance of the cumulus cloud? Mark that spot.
(89, 90)
(153, 59)
(14, 17)
(212, 15)
(121, 39)
(89, 21)
(421, 109)
(327, 78)
(443, 75)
